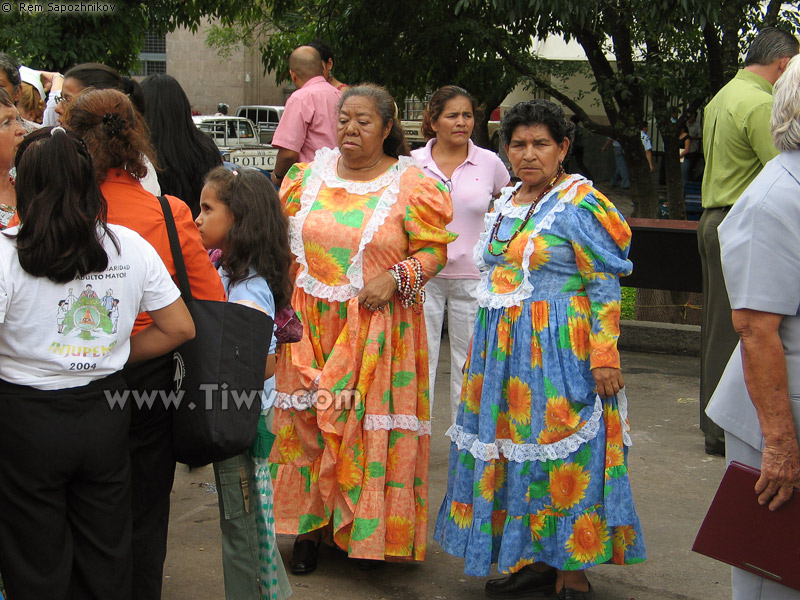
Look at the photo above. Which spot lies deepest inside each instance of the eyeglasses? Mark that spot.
(63, 100)
(448, 184)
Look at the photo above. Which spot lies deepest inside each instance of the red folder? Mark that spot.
(739, 531)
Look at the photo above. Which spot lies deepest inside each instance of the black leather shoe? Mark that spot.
(715, 447)
(570, 594)
(366, 564)
(520, 584)
(304, 557)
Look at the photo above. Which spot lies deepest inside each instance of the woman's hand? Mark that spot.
(378, 291)
(608, 380)
(780, 473)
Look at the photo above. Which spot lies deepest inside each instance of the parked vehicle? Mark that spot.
(238, 142)
(415, 139)
(264, 117)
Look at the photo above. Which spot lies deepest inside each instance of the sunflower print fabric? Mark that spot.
(538, 469)
(352, 418)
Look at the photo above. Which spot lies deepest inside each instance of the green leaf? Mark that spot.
(305, 473)
(355, 494)
(539, 489)
(394, 437)
(553, 240)
(341, 384)
(486, 528)
(573, 284)
(563, 337)
(376, 470)
(616, 472)
(467, 460)
(582, 458)
(310, 522)
(418, 482)
(402, 378)
(363, 528)
(550, 390)
(395, 484)
(352, 218)
(381, 342)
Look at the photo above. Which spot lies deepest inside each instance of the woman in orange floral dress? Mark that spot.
(352, 417)
(538, 478)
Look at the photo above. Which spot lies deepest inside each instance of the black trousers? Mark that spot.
(65, 525)
(152, 475)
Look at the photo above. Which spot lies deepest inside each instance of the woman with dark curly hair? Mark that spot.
(185, 154)
(538, 477)
(473, 176)
(116, 136)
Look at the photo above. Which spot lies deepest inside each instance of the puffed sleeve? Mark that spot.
(292, 187)
(428, 210)
(601, 240)
(758, 247)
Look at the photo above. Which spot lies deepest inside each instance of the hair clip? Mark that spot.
(113, 123)
(234, 171)
(58, 128)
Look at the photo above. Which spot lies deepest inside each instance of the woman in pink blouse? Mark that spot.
(473, 176)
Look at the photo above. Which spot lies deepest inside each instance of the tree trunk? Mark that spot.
(664, 306)
(674, 175)
(480, 134)
(643, 192)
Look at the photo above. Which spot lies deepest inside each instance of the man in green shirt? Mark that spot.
(737, 144)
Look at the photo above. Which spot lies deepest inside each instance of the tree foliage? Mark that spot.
(53, 41)
(674, 53)
(409, 47)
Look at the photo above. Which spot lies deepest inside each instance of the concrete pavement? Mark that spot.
(673, 483)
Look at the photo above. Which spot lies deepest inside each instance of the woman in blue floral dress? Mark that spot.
(538, 472)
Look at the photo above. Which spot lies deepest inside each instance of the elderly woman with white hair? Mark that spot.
(757, 401)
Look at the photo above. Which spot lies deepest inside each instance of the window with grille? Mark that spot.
(153, 58)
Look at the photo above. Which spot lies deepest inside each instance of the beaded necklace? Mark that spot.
(493, 237)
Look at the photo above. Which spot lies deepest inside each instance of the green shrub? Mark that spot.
(628, 303)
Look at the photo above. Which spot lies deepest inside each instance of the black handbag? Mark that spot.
(219, 375)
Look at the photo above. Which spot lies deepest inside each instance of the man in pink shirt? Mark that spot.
(309, 119)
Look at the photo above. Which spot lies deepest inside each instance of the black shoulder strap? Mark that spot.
(175, 247)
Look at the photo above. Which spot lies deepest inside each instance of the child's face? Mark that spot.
(214, 220)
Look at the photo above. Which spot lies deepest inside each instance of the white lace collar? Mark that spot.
(505, 206)
(323, 170)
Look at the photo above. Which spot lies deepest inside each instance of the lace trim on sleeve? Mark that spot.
(622, 405)
(389, 422)
(303, 401)
(324, 171)
(525, 452)
(488, 299)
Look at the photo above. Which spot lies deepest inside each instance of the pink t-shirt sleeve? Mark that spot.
(291, 130)
(501, 176)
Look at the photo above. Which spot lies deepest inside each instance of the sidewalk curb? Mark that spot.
(662, 338)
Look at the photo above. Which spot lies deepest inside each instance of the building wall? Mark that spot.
(209, 79)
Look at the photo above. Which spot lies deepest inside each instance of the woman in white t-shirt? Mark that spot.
(473, 176)
(65, 520)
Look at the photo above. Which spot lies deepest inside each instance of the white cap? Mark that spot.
(33, 78)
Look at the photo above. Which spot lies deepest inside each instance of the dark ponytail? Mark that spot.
(60, 207)
(101, 77)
